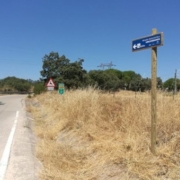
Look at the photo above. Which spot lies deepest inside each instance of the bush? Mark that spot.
(39, 88)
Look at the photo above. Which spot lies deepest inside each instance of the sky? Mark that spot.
(98, 31)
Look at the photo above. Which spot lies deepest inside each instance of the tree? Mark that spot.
(16, 84)
(74, 74)
(39, 87)
(145, 84)
(169, 84)
(131, 79)
(116, 72)
(96, 78)
(105, 80)
(53, 65)
(159, 83)
(22, 86)
(61, 69)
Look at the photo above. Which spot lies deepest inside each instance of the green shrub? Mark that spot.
(39, 88)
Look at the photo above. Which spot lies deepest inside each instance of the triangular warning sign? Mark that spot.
(50, 83)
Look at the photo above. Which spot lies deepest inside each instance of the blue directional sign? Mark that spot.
(148, 42)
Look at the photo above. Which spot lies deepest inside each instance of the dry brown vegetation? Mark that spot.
(88, 135)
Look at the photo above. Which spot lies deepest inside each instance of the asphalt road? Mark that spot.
(17, 160)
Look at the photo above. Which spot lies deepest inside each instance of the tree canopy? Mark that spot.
(15, 84)
(62, 70)
(72, 74)
(170, 83)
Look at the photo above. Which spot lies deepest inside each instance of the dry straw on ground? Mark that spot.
(89, 135)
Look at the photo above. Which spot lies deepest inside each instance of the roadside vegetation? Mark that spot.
(74, 76)
(90, 135)
(101, 133)
(13, 84)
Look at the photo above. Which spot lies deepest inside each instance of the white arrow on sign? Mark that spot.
(134, 46)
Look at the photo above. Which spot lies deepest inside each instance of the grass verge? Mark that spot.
(88, 135)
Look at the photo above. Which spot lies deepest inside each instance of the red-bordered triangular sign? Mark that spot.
(50, 83)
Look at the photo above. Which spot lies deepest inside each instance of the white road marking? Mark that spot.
(5, 156)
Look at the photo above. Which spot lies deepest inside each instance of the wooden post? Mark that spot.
(153, 96)
(175, 82)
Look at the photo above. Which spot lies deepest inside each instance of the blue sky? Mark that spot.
(99, 31)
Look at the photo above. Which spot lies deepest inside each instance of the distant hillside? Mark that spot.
(13, 84)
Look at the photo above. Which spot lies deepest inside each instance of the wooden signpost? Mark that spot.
(152, 41)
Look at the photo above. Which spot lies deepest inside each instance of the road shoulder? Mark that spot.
(23, 164)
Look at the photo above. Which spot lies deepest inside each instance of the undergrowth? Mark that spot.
(89, 135)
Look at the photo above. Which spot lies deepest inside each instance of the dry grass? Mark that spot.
(87, 135)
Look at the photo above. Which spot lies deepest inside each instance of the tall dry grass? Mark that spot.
(88, 135)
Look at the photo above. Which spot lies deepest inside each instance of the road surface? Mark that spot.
(17, 161)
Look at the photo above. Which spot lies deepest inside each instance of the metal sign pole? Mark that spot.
(153, 95)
